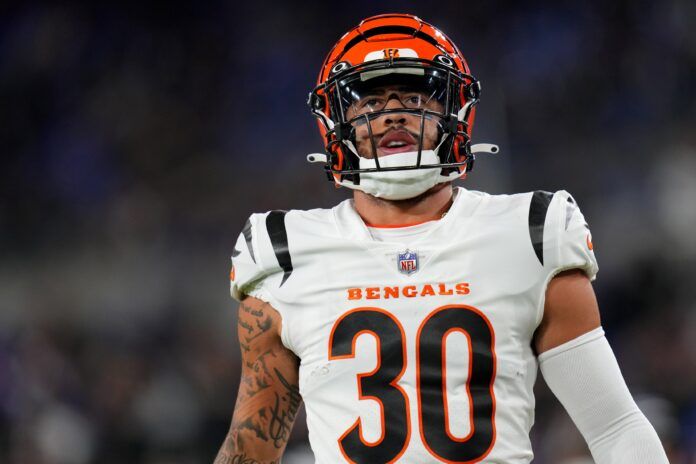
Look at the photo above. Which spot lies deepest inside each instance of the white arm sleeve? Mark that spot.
(585, 377)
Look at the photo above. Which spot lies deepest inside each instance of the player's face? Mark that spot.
(394, 132)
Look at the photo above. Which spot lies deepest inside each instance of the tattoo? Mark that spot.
(256, 313)
(283, 415)
(262, 362)
(263, 328)
(224, 458)
(246, 308)
(263, 377)
(248, 424)
(247, 326)
(261, 384)
(267, 402)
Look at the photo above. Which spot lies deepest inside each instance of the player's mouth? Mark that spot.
(396, 141)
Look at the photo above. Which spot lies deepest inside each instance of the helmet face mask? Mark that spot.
(425, 85)
(418, 88)
(377, 101)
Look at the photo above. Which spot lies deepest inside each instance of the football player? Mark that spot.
(411, 319)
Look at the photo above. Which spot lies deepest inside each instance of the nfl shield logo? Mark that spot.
(407, 262)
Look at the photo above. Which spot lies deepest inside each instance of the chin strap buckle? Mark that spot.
(485, 148)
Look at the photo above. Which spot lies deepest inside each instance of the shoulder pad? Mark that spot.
(559, 234)
(260, 254)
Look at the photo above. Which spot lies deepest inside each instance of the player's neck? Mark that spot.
(429, 206)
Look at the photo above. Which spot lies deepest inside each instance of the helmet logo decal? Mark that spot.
(391, 53)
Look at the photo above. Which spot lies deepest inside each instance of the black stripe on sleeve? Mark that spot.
(235, 253)
(247, 236)
(275, 224)
(538, 208)
(570, 209)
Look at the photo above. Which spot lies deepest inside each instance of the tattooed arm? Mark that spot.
(268, 397)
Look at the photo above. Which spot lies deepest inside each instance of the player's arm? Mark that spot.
(581, 370)
(268, 397)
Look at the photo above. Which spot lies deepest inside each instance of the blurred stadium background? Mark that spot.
(137, 138)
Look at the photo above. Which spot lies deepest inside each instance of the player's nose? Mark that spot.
(394, 103)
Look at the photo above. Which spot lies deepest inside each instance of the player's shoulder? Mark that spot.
(532, 202)
(271, 235)
(557, 229)
(501, 205)
(316, 216)
(269, 246)
(541, 214)
(275, 223)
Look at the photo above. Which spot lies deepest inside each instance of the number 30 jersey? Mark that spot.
(415, 350)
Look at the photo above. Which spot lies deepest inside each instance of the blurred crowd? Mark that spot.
(136, 138)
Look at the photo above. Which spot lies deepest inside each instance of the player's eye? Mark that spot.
(371, 103)
(413, 101)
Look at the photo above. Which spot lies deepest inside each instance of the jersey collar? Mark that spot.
(351, 226)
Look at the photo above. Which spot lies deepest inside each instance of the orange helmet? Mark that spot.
(395, 47)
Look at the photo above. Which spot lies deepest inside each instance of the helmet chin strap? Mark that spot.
(399, 184)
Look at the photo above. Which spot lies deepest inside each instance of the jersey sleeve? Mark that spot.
(250, 268)
(261, 263)
(571, 238)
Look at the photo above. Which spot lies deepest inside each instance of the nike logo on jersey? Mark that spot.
(407, 291)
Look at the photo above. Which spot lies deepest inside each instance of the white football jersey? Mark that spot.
(416, 350)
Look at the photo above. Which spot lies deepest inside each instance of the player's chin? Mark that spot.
(420, 197)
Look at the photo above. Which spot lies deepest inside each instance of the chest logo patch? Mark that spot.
(407, 262)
